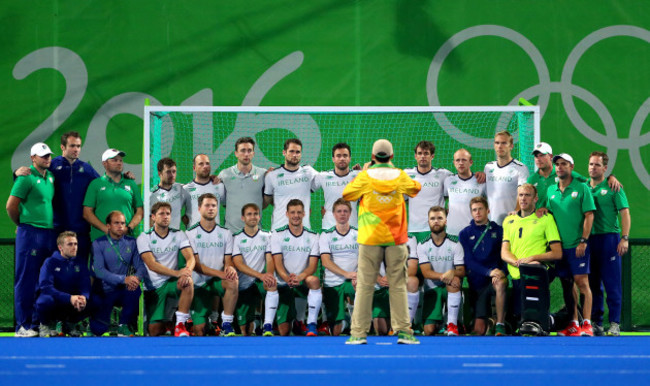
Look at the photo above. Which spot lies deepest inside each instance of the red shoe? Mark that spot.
(452, 329)
(324, 329)
(180, 330)
(586, 329)
(572, 330)
(299, 328)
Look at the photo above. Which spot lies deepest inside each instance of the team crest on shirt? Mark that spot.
(553, 196)
(198, 236)
(603, 192)
(128, 249)
(330, 177)
(127, 188)
(256, 177)
(51, 179)
(192, 189)
(154, 241)
(38, 181)
(472, 237)
(574, 195)
(280, 175)
(511, 221)
(334, 238)
(454, 182)
(162, 195)
(59, 167)
(412, 175)
(494, 235)
(33, 252)
(534, 222)
(57, 269)
(244, 241)
(286, 239)
(76, 268)
(81, 169)
(557, 179)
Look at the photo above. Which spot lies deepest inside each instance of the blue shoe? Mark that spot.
(227, 330)
(312, 330)
(268, 329)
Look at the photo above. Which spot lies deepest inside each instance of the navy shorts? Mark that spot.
(570, 265)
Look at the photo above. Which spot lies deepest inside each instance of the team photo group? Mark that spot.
(403, 252)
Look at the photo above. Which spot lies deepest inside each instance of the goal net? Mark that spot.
(181, 132)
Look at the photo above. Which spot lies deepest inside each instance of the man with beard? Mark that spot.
(168, 190)
(333, 181)
(288, 182)
(443, 267)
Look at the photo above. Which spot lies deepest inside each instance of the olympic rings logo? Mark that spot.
(565, 87)
(382, 198)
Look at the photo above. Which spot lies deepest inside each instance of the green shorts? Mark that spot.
(203, 298)
(334, 300)
(248, 301)
(381, 304)
(287, 302)
(155, 301)
(432, 305)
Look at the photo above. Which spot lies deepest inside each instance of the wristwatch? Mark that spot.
(583, 240)
(626, 237)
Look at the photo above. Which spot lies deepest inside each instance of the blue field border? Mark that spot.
(325, 361)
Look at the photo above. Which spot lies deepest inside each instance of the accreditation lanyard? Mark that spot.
(487, 229)
(117, 251)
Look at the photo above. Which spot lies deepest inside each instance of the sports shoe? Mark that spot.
(123, 330)
(324, 329)
(356, 340)
(598, 329)
(614, 329)
(500, 330)
(299, 328)
(404, 337)
(180, 330)
(452, 329)
(573, 329)
(586, 329)
(227, 330)
(215, 330)
(45, 331)
(268, 330)
(25, 333)
(312, 330)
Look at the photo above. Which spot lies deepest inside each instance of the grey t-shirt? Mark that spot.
(241, 189)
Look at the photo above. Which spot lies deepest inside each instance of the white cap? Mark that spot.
(40, 149)
(112, 153)
(382, 148)
(543, 148)
(565, 157)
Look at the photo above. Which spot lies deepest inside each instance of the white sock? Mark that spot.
(323, 314)
(413, 299)
(314, 299)
(271, 306)
(226, 318)
(181, 317)
(301, 308)
(453, 305)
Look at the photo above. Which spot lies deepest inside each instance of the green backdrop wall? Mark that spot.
(88, 66)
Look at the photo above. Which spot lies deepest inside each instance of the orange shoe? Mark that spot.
(573, 329)
(180, 330)
(586, 329)
(452, 329)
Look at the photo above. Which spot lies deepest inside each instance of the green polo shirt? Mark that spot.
(105, 195)
(568, 208)
(608, 204)
(35, 192)
(542, 183)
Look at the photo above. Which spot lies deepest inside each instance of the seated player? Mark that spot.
(119, 270)
(159, 249)
(528, 239)
(442, 264)
(251, 252)
(295, 257)
(215, 276)
(339, 254)
(381, 304)
(64, 290)
(413, 283)
(481, 242)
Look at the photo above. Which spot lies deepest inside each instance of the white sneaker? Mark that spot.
(44, 331)
(614, 329)
(25, 333)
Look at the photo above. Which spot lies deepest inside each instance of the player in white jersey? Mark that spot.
(503, 177)
(295, 257)
(290, 181)
(443, 267)
(251, 253)
(432, 193)
(461, 188)
(215, 276)
(201, 184)
(159, 248)
(168, 190)
(333, 182)
(339, 252)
